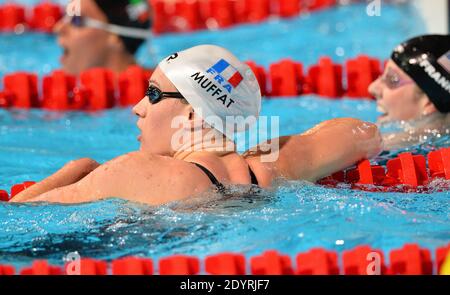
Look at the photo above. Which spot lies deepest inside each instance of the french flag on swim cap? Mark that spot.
(228, 72)
(445, 61)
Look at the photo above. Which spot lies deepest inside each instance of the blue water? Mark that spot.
(291, 219)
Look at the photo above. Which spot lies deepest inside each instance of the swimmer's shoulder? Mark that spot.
(147, 178)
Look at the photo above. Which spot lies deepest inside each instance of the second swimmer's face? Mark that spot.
(83, 47)
(155, 120)
(398, 97)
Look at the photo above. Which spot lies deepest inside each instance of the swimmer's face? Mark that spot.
(155, 120)
(398, 97)
(83, 47)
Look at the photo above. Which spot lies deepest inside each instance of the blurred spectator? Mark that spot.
(106, 34)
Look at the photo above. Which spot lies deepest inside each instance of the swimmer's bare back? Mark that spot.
(329, 147)
(135, 176)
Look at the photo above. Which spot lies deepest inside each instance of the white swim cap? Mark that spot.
(217, 85)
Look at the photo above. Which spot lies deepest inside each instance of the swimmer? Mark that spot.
(203, 87)
(414, 91)
(106, 34)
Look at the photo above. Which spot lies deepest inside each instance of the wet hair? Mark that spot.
(118, 13)
(426, 59)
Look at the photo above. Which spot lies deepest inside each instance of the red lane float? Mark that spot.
(99, 85)
(188, 16)
(286, 78)
(407, 170)
(260, 74)
(6, 99)
(7, 270)
(132, 266)
(314, 5)
(252, 11)
(317, 261)
(366, 174)
(287, 8)
(11, 17)
(219, 14)
(411, 259)
(179, 265)
(225, 264)
(4, 196)
(60, 93)
(96, 88)
(23, 89)
(439, 163)
(41, 267)
(132, 85)
(325, 79)
(271, 263)
(361, 71)
(17, 188)
(159, 23)
(171, 16)
(45, 16)
(91, 267)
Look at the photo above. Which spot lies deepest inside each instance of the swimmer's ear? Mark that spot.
(189, 112)
(429, 108)
(115, 42)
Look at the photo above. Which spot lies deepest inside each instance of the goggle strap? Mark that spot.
(115, 29)
(172, 94)
(119, 30)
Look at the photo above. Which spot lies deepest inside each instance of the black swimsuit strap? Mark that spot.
(217, 183)
(220, 187)
(253, 176)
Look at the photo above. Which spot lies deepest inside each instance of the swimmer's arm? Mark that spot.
(72, 172)
(136, 177)
(329, 147)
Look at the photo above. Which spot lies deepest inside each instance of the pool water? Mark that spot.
(292, 218)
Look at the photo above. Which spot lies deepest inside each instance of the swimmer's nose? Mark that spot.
(375, 88)
(139, 109)
(60, 26)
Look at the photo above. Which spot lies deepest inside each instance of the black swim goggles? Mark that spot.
(155, 95)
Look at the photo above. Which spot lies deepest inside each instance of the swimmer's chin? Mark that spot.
(65, 67)
(384, 118)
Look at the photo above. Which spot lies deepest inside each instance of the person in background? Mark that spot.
(107, 33)
(413, 93)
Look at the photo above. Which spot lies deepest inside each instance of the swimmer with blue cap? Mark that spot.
(102, 33)
(415, 88)
(197, 100)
